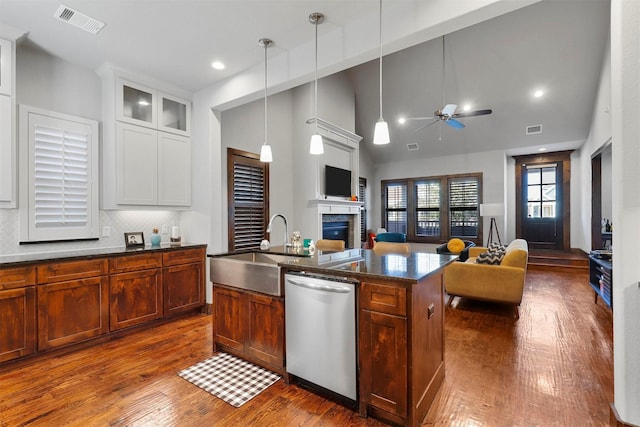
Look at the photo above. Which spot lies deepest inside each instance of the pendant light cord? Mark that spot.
(380, 32)
(316, 78)
(265, 93)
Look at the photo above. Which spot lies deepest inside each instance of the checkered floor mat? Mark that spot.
(229, 378)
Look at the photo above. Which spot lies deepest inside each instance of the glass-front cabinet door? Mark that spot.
(136, 104)
(175, 115)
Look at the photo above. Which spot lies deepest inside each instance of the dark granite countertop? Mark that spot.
(362, 263)
(20, 259)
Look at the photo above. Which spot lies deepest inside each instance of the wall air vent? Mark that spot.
(78, 19)
(535, 129)
(412, 147)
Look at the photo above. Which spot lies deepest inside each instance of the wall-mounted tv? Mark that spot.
(337, 182)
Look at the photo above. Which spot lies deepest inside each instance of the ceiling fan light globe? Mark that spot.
(316, 147)
(381, 133)
(265, 153)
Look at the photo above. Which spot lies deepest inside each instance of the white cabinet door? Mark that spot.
(174, 170)
(136, 104)
(136, 165)
(6, 151)
(174, 114)
(6, 65)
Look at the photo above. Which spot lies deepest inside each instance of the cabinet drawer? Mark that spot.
(383, 299)
(11, 278)
(71, 270)
(183, 256)
(135, 262)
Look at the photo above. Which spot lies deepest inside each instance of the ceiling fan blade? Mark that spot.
(426, 126)
(454, 123)
(419, 118)
(472, 113)
(449, 110)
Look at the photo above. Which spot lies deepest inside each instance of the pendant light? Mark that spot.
(265, 151)
(316, 146)
(381, 132)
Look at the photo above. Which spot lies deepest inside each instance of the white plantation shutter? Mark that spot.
(62, 177)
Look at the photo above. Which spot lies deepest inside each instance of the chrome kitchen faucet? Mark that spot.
(286, 228)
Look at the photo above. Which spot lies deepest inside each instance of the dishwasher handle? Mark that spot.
(317, 287)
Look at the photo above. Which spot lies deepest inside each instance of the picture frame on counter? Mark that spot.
(134, 239)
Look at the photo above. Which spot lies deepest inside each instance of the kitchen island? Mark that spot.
(400, 332)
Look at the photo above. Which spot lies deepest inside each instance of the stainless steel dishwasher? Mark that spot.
(320, 316)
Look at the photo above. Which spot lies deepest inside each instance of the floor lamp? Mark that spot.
(492, 210)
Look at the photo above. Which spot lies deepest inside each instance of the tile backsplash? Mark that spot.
(119, 223)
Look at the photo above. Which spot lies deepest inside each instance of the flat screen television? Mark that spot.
(337, 182)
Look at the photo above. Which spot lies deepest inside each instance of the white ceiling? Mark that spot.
(556, 44)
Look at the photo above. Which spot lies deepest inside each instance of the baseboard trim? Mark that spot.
(207, 308)
(614, 418)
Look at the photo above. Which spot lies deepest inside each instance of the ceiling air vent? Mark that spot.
(532, 130)
(412, 147)
(78, 19)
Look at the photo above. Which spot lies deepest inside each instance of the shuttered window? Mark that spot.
(62, 178)
(463, 207)
(248, 199)
(433, 209)
(427, 212)
(362, 197)
(395, 207)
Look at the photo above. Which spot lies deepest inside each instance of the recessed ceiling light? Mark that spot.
(402, 120)
(217, 65)
(538, 93)
(542, 149)
(466, 107)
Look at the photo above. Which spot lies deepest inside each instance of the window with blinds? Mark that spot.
(463, 207)
(61, 186)
(433, 209)
(248, 199)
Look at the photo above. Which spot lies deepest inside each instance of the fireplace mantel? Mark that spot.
(341, 150)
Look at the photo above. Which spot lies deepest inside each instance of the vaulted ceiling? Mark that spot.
(556, 45)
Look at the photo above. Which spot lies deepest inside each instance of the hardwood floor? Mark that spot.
(554, 366)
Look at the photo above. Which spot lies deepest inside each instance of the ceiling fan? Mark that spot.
(447, 113)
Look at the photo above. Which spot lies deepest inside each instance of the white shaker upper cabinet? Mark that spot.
(137, 165)
(174, 170)
(6, 67)
(6, 152)
(8, 145)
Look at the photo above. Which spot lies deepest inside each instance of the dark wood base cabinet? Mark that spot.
(73, 302)
(17, 312)
(401, 338)
(249, 325)
(182, 278)
(48, 305)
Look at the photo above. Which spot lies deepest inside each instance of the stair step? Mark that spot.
(543, 259)
(570, 261)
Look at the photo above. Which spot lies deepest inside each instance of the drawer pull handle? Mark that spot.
(431, 310)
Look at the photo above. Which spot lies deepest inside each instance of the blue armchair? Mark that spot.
(391, 237)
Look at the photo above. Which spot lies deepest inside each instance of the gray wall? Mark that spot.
(48, 82)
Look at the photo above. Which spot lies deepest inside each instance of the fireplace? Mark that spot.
(339, 227)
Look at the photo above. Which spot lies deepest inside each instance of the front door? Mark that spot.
(542, 208)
